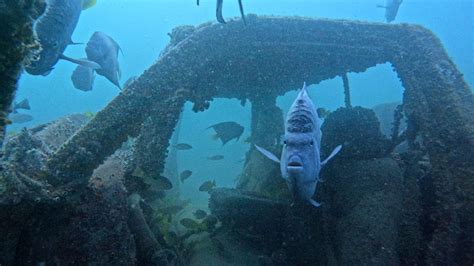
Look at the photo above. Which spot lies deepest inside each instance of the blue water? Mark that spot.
(141, 28)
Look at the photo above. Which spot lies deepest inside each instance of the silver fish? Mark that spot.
(391, 9)
(300, 161)
(54, 30)
(104, 50)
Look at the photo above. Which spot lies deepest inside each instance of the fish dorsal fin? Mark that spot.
(86, 4)
(267, 154)
(333, 153)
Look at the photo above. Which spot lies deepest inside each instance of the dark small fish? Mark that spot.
(185, 175)
(227, 131)
(215, 157)
(391, 9)
(183, 146)
(163, 183)
(138, 172)
(210, 221)
(219, 16)
(18, 118)
(54, 30)
(190, 223)
(172, 209)
(200, 214)
(207, 186)
(25, 105)
(83, 78)
(104, 50)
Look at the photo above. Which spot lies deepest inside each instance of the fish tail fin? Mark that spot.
(24, 104)
(314, 203)
(86, 4)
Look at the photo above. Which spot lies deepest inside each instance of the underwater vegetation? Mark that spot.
(72, 192)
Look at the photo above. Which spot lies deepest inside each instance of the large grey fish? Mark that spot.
(300, 161)
(54, 30)
(103, 50)
(83, 78)
(391, 9)
(227, 131)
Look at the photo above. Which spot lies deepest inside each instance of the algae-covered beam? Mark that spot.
(347, 91)
(17, 46)
(440, 103)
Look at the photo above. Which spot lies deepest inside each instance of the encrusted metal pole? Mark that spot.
(17, 46)
(347, 91)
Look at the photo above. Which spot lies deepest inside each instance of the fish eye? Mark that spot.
(311, 143)
(55, 44)
(284, 142)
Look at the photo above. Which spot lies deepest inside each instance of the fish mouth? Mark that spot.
(295, 164)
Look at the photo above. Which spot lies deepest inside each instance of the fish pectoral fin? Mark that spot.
(267, 154)
(82, 62)
(333, 153)
(314, 203)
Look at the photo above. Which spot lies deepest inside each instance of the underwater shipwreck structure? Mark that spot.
(376, 209)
